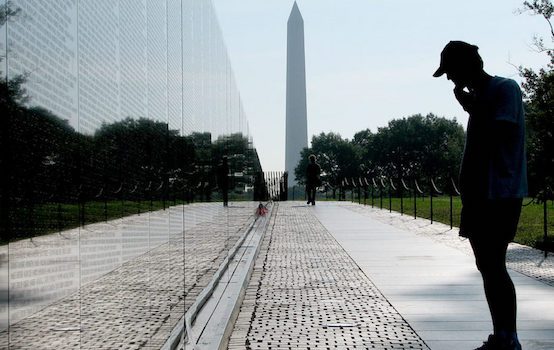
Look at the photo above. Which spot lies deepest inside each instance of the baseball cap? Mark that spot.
(455, 53)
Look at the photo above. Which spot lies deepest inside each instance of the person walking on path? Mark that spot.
(493, 178)
(312, 178)
(223, 180)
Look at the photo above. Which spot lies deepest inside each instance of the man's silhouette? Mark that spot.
(493, 178)
(312, 179)
(223, 180)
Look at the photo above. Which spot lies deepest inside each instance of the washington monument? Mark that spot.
(297, 124)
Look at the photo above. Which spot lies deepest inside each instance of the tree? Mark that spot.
(538, 87)
(337, 157)
(415, 146)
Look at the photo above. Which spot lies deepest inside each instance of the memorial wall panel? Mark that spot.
(119, 114)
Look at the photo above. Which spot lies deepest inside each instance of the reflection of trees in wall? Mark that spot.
(44, 160)
(242, 157)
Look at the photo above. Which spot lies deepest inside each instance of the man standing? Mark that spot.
(223, 180)
(493, 178)
(312, 179)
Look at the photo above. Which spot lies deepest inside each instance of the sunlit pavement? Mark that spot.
(332, 276)
(342, 275)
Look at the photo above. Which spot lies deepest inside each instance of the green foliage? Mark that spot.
(538, 89)
(337, 157)
(415, 146)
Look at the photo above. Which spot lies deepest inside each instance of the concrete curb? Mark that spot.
(209, 321)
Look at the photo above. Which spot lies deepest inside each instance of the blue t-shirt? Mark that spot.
(494, 164)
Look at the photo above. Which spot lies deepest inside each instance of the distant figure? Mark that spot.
(312, 179)
(493, 178)
(223, 180)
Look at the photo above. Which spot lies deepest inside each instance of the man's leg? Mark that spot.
(489, 247)
(499, 288)
(225, 196)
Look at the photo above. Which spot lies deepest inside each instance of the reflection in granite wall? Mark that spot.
(94, 62)
(116, 116)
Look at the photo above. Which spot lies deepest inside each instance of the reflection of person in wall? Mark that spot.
(223, 179)
(312, 179)
(493, 178)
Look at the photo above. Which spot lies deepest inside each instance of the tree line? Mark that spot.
(414, 147)
(431, 147)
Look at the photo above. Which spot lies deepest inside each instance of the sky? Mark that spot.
(367, 61)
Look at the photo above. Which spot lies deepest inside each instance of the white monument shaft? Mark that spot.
(296, 121)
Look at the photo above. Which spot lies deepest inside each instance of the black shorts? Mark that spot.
(494, 219)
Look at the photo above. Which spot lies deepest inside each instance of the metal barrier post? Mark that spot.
(401, 202)
(545, 225)
(404, 187)
(452, 193)
(434, 189)
(415, 204)
(431, 201)
(373, 188)
(365, 190)
(391, 188)
(451, 211)
(381, 194)
(360, 191)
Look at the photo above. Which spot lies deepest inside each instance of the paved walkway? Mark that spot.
(334, 276)
(345, 276)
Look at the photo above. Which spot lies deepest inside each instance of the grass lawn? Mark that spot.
(530, 228)
(56, 217)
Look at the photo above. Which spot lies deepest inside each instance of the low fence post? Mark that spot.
(434, 189)
(415, 199)
(366, 186)
(373, 188)
(82, 200)
(404, 187)
(545, 223)
(360, 185)
(416, 191)
(391, 188)
(454, 191)
(431, 191)
(119, 193)
(381, 193)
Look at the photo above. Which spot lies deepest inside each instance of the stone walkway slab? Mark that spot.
(306, 292)
(429, 276)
